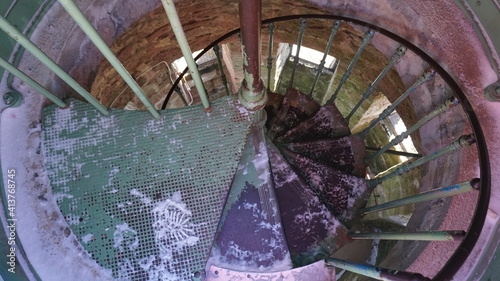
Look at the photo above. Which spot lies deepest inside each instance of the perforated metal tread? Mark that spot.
(144, 196)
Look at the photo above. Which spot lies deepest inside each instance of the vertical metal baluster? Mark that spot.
(303, 25)
(426, 196)
(335, 28)
(175, 22)
(376, 272)
(449, 103)
(397, 55)
(90, 31)
(221, 68)
(32, 83)
(49, 63)
(270, 55)
(449, 235)
(366, 39)
(463, 142)
(428, 75)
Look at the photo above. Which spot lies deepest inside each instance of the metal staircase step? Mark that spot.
(143, 196)
(342, 193)
(327, 122)
(295, 108)
(311, 231)
(317, 271)
(250, 235)
(345, 153)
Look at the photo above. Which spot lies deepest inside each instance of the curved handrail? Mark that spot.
(470, 240)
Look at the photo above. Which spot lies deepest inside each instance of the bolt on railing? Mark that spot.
(394, 59)
(378, 273)
(366, 39)
(462, 142)
(303, 25)
(426, 196)
(428, 75)
(335, 28)
(32, 83)
(449, 103)
(49, 63)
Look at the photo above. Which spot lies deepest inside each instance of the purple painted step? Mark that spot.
(295, 108)
(327, 122)
(341, 192)
(346, 153)
(311, 231)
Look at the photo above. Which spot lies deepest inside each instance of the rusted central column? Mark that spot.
(252, 94)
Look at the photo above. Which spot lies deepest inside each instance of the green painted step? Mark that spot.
(144, 196)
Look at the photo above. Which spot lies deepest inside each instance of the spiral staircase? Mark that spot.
(283, 183)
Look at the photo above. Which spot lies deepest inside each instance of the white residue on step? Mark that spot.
(87, 238)
(261, 163)
(246, 262)
(144, 199)
(125, 237)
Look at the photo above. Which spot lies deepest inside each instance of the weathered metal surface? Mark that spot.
(316, 271)
(295, 108)
(250, 235)
(252, 94)
(143, 196)
(378, 273)
(312, 232)
(327, 122)
(426, 196)
(346, 153)
(462, 142)
(342, 193)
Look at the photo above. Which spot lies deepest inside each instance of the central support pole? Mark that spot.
(252, 93)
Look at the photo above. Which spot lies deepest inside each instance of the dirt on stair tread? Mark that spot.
(295, 108)
(345, 153)
(327, 122)
(311, 230)
(342, 193)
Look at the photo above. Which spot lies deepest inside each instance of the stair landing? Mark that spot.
(144, 196)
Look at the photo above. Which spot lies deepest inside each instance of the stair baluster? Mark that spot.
(221, 69)
(449, 103)
(335, 28)
(428, 75)
(376, 272)
(394, 59)
(49, 63)
(449, 235)
(270, 55)
(462, 142)
(453, 190)
(366, 39)
(303, 25)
